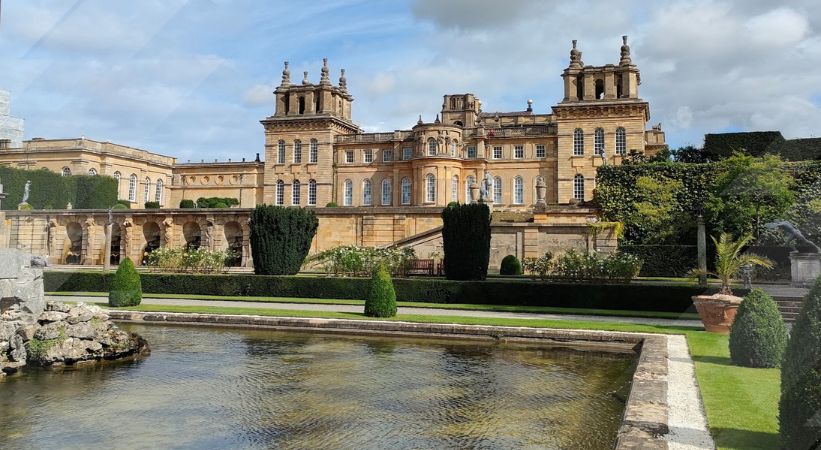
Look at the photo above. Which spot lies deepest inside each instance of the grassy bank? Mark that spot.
(741, 403)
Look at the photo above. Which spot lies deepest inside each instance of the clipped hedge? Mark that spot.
(466, 241)
(126, 289)
(381, 298)
(758, 336)
(281, 238)
(50, 190)
(755, 143)
(635, 297)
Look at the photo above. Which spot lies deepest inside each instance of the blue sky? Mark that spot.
(192, 78)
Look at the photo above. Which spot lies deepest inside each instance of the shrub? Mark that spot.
(331, 205)
(126, 289)
(216, 202)
(801, 378)
(587, 266)
(281, 238)
(121, 204)
(352, 260)
(152, 205)
(381, 298)
(510, 266)
(186, 204)
(540, 266)
(466, 241)
(198, 260)
(758, 336)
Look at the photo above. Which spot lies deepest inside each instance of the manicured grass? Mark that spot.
(453, 306)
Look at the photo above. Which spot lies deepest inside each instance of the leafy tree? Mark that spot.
(690, 154)
(281, 238)
(126, 289)
(758, 337)
(466, 241)
(381, 298)
(805, 213)
(655, 210)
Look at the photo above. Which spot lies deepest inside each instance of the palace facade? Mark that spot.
(316, 155)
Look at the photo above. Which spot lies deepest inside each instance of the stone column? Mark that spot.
(109, 229)
(702, 250)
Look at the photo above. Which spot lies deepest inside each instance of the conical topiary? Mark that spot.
(800, 406)
(381, 299)
(758, 336)
(126, 289)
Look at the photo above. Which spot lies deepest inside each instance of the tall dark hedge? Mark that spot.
(51, 190)
(466, 241)
(755, 143)
(126, 289)
(281, 238)
(800, 406)
(758, 336)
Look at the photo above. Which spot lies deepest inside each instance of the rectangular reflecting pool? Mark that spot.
(208, 387)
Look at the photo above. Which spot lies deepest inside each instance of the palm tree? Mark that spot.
(730, 260)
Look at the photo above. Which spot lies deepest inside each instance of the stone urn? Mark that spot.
(717, 311)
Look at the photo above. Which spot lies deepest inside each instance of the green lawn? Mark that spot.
(741, 403)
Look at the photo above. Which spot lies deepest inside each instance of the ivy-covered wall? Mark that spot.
(50, 190)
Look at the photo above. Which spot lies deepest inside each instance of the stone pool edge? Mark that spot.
(644, 424)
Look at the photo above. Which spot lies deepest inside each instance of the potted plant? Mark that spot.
(717, 311)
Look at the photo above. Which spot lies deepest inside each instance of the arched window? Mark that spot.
(406, 191)
(452, 148)
(313, 152)
(469, 182)
(297, 152)
(578, 142)
(431, 147)
(430, 188)
(366, 192)
(497, 190)
(296, 192)
(132, 188)
(598, 141)
(518, 190)
(386, 192)
(66, 171)
(280, 193)
(621, 141)
(599, 89)
(117, 176)
(281, 152)
(147, 189)
(578, 187)
(92, 171)
(348, 191)
(454, 189)
(158, 193)
(312, 193)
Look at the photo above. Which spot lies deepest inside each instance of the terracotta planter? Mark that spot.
(717, 311)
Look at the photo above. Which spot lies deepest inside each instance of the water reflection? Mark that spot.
(228, 388)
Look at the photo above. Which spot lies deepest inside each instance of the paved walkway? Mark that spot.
(402, 310)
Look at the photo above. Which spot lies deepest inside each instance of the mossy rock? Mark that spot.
(758, 336)
(381, 298)
(126, 288)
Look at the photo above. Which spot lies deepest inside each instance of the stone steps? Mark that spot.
(789, 307)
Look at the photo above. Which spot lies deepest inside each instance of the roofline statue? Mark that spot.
(802, 244)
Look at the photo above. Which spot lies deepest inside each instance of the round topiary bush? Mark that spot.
(187, 203)
(126, 289)
(331, 205)
(758, 336)
(381, 299)
(800, 406)
(510, 266)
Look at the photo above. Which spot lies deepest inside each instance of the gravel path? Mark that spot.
(688, 424)
(402, 310)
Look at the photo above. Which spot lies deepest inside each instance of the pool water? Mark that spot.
(206, 387)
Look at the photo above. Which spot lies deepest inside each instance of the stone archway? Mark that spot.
(116, 244)
(151, 233)
(192, 233)
(73, 247)
(233, 241)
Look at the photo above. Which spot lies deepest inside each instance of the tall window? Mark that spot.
(497, 152)
(598, 141)
(430, 188)
(407, 153)
(92, 171)
(387, 192)
(280, 193)
(431, 147)
(132, 188)
(297, 152)
(472, 151)
(348, 191)
(349, 156)
(519, 152)
(578, 187)
(406, 191)
(497, 190)
(578, 142)
(312, 193)
(540, 153)
(454, 189)
(158, 191)
(367, 197)
(147, 189)
(313, 152)
(452, 148)
(468, 182)
(281, 152)
(387, 155)
(621, 141)
(367, 156)
(518, 190)
(66, 171)
(296, 192)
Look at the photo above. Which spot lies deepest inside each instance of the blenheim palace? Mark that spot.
(315, 155)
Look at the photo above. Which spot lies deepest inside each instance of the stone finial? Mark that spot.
(419, 122)
(305, 78)
(343, 82)
(575, 57)
(437, 119)
(625, 52)
(286, 76)
(324, 80)
(530, 104)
